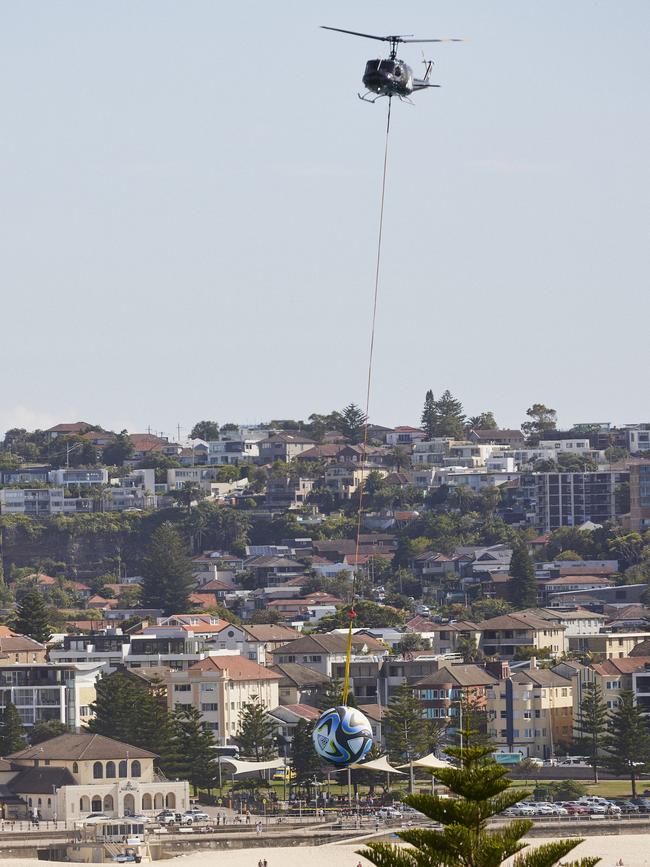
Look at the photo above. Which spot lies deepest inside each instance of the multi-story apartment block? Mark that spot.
(218, 687)
(50, 691)
(502, 636)
(79, 476)
(639, 517)
(32, 502)
(531, 712)
(571, 499)
(606, 645)
(444, 690)
(430, 453)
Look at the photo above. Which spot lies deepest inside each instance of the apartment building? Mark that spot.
(32, 502)
(531, 712)
(324, 653)
(50, 691)
(442, 691)
(606, 645)
(219, 687)
(344, 479)
(502, 636)
(78, 476)
(639, 517)
(571, 499)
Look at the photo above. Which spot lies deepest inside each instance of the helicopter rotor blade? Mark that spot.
(356, 33)
(450, 39)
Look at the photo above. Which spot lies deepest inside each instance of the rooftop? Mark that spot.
(81, 747)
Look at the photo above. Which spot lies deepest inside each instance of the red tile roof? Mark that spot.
(238, 667)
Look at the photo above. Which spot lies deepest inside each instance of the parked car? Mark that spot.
(96, 817)
(643, 804)
(573, 808)
(194, 815)
(548, 809)
(626, 806)
(169, 817)
(389, 813)
(520, 810)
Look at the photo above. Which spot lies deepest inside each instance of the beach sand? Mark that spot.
(632, 848)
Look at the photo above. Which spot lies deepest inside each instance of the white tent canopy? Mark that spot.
(432, 762)
(242, 767)
(380, 764)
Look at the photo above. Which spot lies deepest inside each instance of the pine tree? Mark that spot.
(483, 791)
(408, 734)
(305, 759)
(32, 618)
(43, 730)
(193, 747)
(352, 423)
(450, 417)
(522, 571)
(429, 417)
(167, 572)
(116, 709)
(627, 741)
(256, 731)
(12, 732)
(592, 725)
(332, 696)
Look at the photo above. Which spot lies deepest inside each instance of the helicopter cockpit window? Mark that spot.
(387, 66)
(372, 66)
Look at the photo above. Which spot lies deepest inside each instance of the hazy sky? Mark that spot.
(189, 200)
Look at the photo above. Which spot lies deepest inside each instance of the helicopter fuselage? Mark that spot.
(388, 77)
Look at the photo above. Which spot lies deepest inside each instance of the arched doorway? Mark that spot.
(96, 804)
(108, 803)
(129, 805)
(158, 801)
(146, 801)
(170, 801)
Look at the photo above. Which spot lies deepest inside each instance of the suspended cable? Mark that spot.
(364, 448)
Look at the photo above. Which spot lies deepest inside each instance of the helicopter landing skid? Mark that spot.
(365, 97)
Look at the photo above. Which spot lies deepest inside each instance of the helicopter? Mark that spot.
(391, 76)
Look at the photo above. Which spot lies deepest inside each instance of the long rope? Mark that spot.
(364, 449)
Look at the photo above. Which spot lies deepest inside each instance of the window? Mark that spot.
(527, 714)
(98, 772)
(123, 769)
(208, 687)
(84, 710)
(75, 767)
(182, 687)
(135, 769)
(110, 770)
(209, 706)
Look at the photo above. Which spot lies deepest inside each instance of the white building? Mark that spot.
(78, 476)
(237, 447)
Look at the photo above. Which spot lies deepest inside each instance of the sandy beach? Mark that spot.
(630, 847)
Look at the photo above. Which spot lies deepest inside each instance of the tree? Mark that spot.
(32, 618)
(469, 649)
(352, 423)
(484, 421)
(205, 430)
(627, 742)
(188, 494)
(541, 418)
(160, 464)
(267, 615)
(305, 759)
(194, 755)
(43, 730)
(483, 790)
(118, 451)
(408, 734)
(332, 696)
(522, 570)
(12, 732)
(592, 724)
(409, 643)
(450, 419)
(116, 709)
(167, 572)
(429, 417)
(256, 731)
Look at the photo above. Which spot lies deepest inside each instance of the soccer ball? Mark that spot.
(342, 735)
